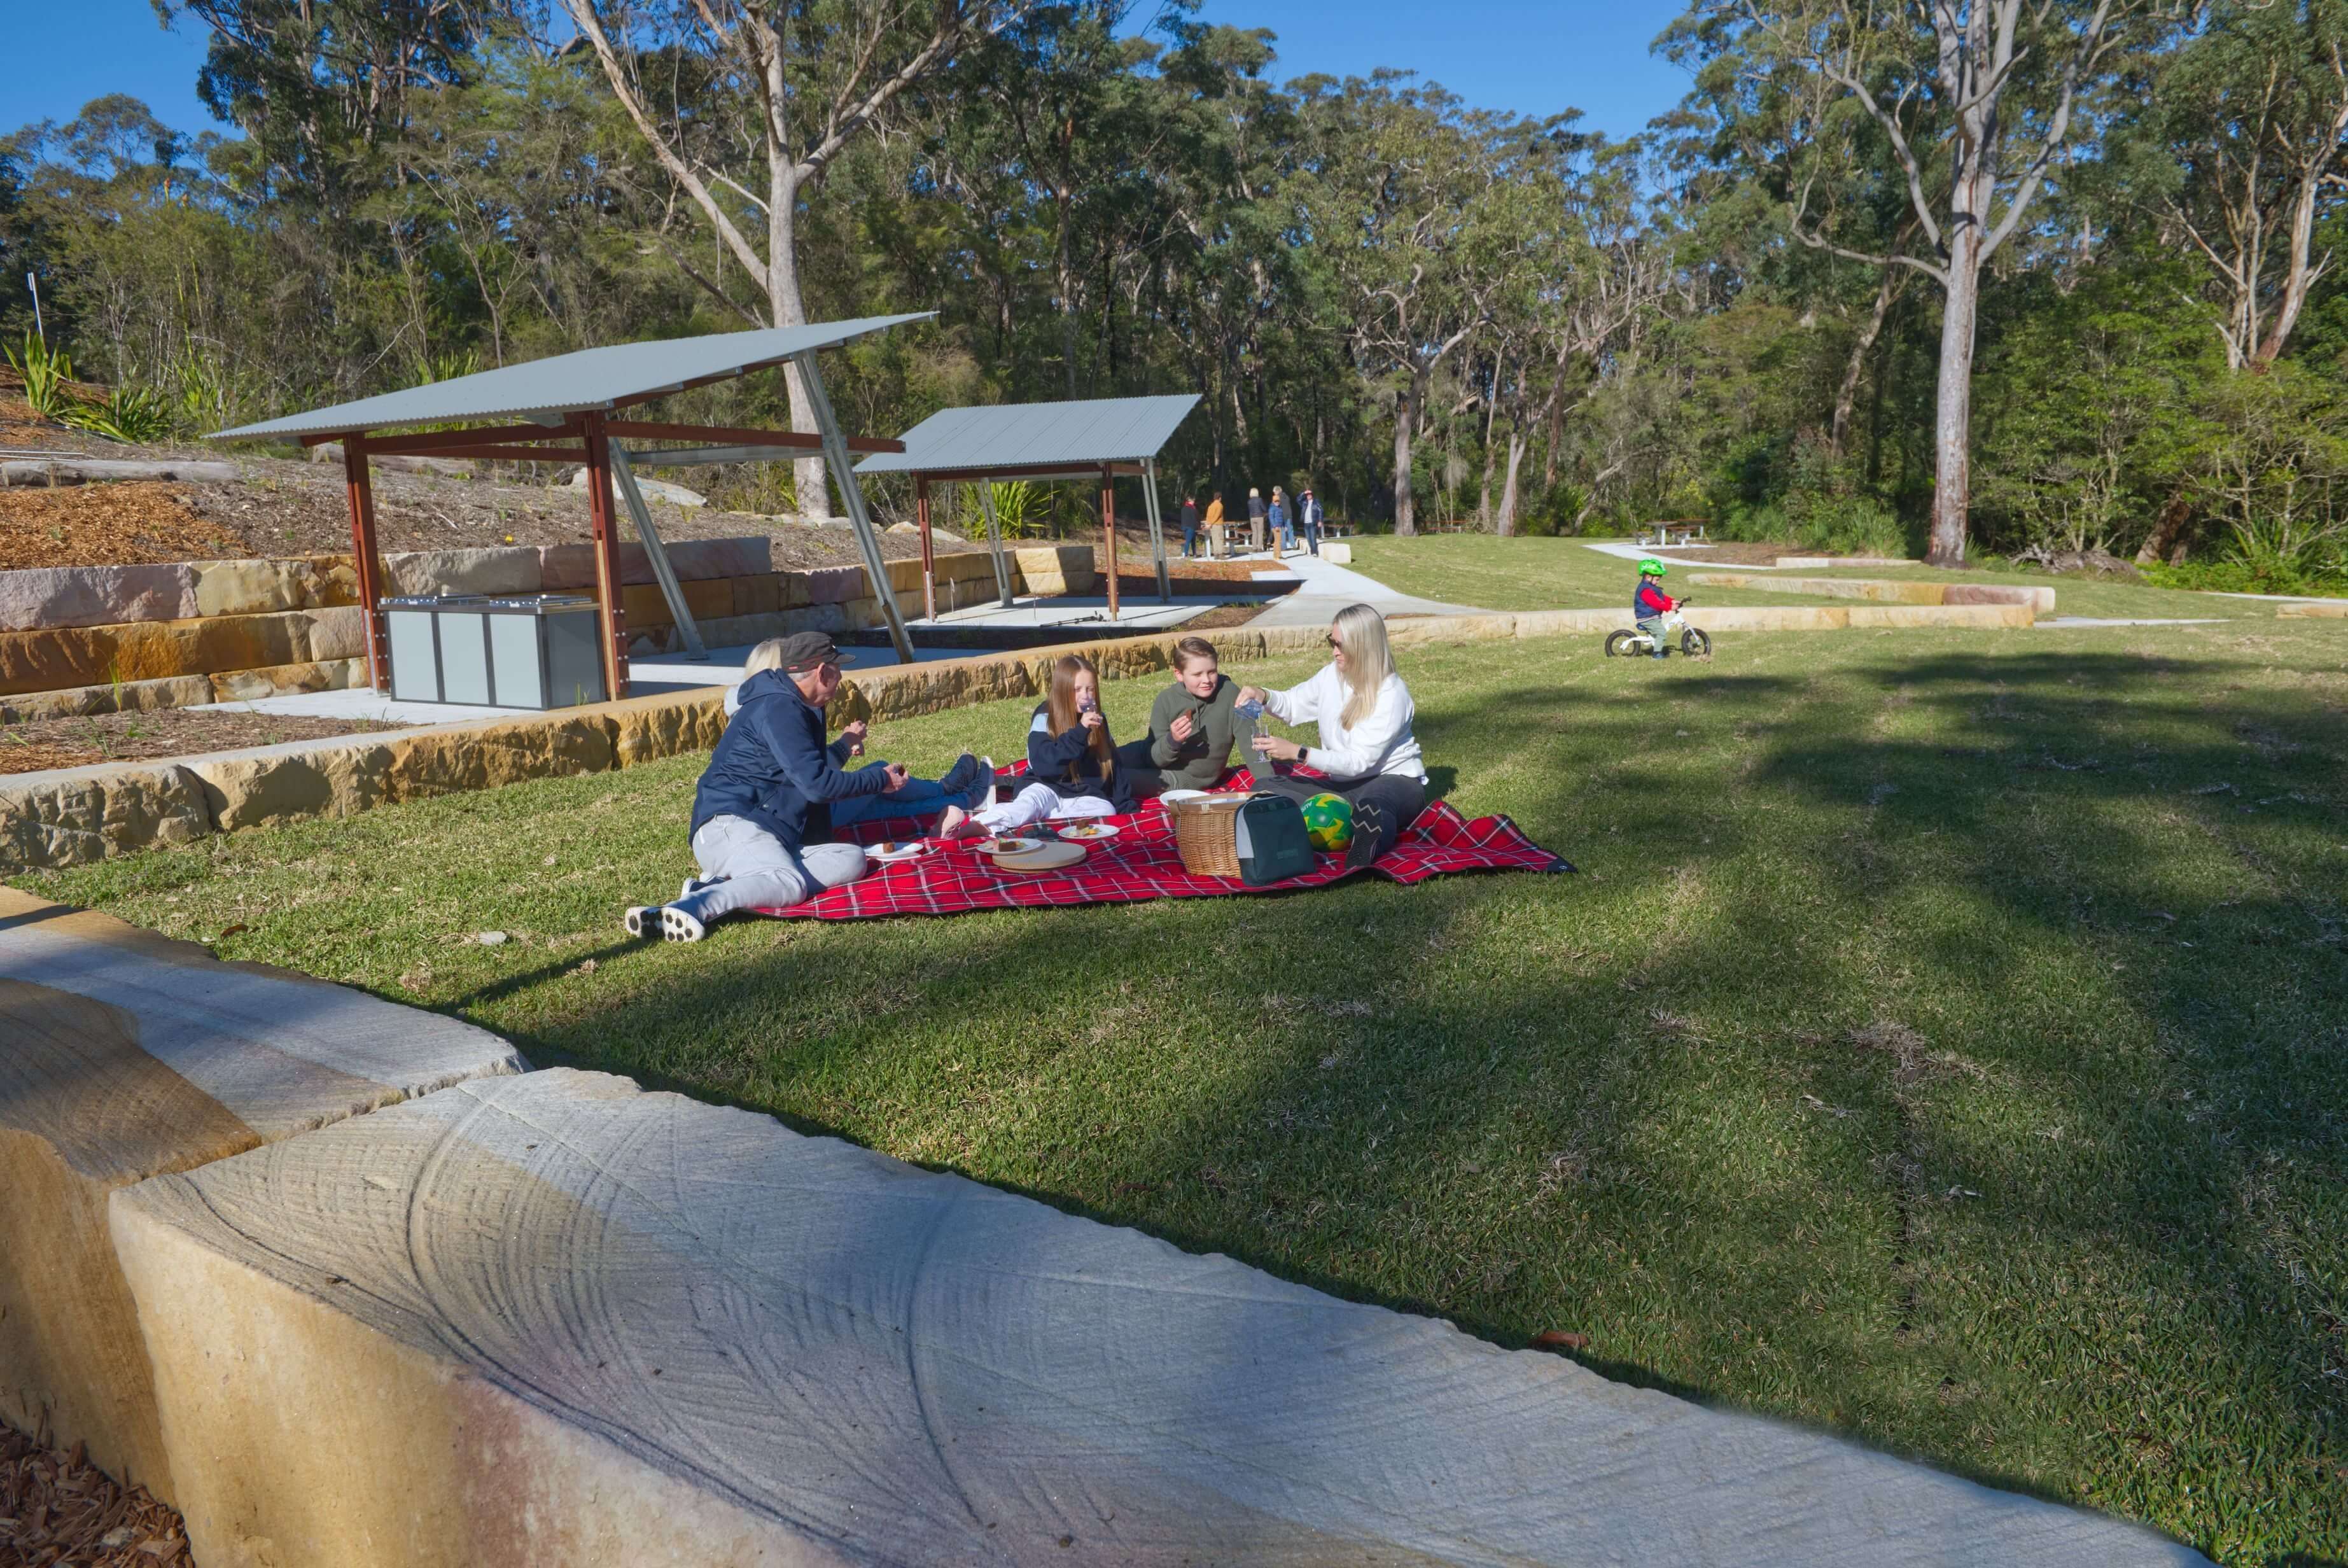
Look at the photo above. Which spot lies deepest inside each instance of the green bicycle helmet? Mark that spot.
(1651, 567)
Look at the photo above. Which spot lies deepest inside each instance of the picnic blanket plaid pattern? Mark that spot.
(1142, 862)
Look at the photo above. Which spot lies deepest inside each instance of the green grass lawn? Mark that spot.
(1946, 1041)
(1567, 574)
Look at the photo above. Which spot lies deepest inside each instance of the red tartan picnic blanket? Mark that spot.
(1142, 862)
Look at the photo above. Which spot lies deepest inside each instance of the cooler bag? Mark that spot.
(1271, 841)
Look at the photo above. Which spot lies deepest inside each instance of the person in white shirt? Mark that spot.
(1366, 752)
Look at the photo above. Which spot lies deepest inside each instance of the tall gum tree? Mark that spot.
(785, 87)
(1976, 100)
(1401, 204)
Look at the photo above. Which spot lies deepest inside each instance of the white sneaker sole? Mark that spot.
(635, 919)
(678, 926)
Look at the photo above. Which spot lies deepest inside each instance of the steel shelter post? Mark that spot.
(843, 473)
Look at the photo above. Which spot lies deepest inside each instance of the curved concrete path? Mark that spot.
(1329, 588)
(558, 1319)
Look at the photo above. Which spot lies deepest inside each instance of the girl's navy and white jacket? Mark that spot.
(1067, 762)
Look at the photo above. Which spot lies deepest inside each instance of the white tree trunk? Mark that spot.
(1506, 523)
(785, 308)
(1953, 421)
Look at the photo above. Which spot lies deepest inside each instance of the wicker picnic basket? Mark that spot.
(1206, 832)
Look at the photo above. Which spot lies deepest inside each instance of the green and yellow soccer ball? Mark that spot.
(1329, 821)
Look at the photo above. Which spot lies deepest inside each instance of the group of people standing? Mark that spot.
(776, 793)
(1284, 520)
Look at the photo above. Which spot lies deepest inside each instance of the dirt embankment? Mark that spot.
(280, 507)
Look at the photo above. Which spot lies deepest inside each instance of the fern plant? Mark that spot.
(1019, 510)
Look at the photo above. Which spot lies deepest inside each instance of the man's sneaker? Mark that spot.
(964, 775)
(1369, 828)
(679, 926)
(636, 918)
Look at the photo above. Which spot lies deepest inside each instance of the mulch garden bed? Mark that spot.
(135, 522)
(59, 1509)
(41, 744)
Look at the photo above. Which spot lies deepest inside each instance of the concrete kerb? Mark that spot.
(130, 1056)
(76, 816)
(1886, 590)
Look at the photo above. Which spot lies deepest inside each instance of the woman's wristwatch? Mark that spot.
(1301, 752)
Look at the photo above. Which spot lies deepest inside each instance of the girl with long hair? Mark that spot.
(1366, 752)
(1072, 768)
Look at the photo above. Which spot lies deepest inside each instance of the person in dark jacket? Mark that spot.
(1189, 527)
(1255, 518)
(763, 812)
(1072, 763)
(1308, 517)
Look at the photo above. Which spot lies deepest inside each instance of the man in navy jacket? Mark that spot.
(763, 813)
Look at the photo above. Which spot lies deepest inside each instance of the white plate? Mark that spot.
(1007, 846)
(900, 849)
(1176, 796)
(1081, 832)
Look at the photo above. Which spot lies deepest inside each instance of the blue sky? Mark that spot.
(1536, 56)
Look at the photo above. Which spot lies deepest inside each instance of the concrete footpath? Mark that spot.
(1329, 588)
(386, 1298)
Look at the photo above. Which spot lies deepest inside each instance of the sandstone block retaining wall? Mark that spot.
(126, 1056)
(1887, 591)
(76, 640)
(2337, 610)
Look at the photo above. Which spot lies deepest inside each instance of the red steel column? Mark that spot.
(366, 560)
(607, 555)
(1108, 526)
(929, 559)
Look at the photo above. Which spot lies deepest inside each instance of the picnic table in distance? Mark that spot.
(1677, 530)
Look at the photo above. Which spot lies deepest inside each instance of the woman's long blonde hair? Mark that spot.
(1060, 710)
(1362, 631)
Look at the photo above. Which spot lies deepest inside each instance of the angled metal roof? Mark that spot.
(1011, 437)
(567, 383)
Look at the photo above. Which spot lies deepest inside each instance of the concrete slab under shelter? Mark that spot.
(124, 1055)
(556, 1318)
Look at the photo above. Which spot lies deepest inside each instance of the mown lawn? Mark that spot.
(1567, 574)
(1945, 1042)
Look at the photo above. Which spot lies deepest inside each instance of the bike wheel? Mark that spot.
(1619, 643)
(1695, 644)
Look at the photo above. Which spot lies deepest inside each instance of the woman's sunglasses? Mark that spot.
(1336, 644)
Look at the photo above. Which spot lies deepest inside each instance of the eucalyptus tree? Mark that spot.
(1404, 204)
(779, 89)
(2246, 134)
(1976, 102)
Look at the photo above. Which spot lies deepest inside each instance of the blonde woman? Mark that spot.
(1366, 752)
(1072, 768)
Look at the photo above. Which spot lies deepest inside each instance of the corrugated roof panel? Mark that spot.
(567, 382)
(1011, 437)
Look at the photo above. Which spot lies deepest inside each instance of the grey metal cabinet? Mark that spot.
(530, 651)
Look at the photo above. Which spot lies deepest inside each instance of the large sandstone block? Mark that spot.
(1414, 630)
(451, 759)
(128, 1055)
(2039, 599)
(2334, 610)
(339, 776)
(760, 594)
(499, 569)
(95, 595)
(75, 815)
(126, 697)
(835, 585)
(570, 567)
(647, 728)
(1961, 615)
(1770, 617)
(266, 587)
(1336, 552)
(901, 691)
(1570, 623)
(244, 686)
(553, 1319)
(1057, 569)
